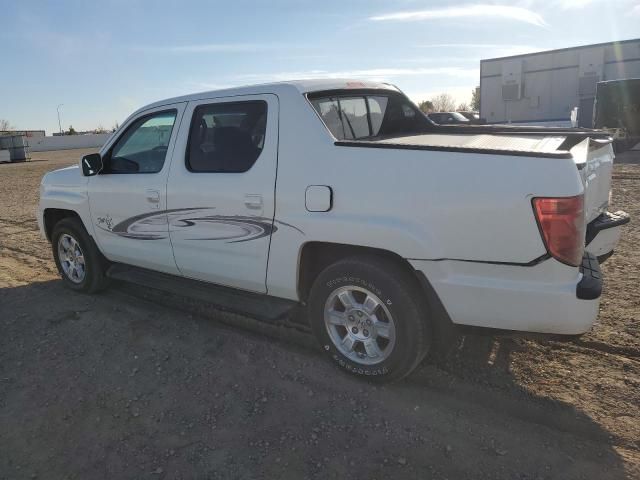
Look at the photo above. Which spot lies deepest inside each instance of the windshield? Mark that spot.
(459, 117)
(350, 116)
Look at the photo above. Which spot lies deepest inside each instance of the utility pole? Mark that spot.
(60, 123)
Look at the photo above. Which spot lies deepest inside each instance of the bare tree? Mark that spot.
(463, 107)
(5, 125)
(443, 102)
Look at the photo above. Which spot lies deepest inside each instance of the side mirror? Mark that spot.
(91, 164)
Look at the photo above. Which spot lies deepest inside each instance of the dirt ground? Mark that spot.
(121, 385)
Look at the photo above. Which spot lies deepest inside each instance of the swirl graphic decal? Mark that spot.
(193, 224)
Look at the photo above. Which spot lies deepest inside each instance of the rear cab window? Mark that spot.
(350, 115)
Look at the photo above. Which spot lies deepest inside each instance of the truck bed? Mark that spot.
(499, 140)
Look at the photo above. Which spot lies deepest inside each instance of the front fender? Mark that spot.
(65, 189)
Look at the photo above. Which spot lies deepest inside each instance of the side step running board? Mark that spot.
(259, 306)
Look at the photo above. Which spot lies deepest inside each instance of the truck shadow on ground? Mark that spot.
(131, 383)
(480, 367)
(631, 157)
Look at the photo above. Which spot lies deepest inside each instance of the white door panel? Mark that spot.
(129, 209)
(220, 223)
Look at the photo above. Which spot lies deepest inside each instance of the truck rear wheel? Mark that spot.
(370, 317)
(79, 262)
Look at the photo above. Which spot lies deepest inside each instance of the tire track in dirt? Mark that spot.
(625, 177)
(33, 223)
(26, 253)
(466, 395)
(595, 346)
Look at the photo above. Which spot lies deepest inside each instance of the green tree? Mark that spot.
(426, 106)
(71, 131)
(475, 99)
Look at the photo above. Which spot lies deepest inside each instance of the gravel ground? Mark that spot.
(118, 385)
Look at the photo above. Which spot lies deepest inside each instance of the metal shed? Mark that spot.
(17, 147)
(544, 87)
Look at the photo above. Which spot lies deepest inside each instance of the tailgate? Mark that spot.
(594, 159)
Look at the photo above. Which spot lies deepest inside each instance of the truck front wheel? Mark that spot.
(79, 261)
(370, 317)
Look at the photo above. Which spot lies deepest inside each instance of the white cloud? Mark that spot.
(372, 74)
(571, 4)
(476, 52)
(196, 86)
(488, 49)
(209, 48)
(577, 4)
(464, 45)
(444, 60)
(467, 11)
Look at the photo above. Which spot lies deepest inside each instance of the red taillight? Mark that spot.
(561, 222)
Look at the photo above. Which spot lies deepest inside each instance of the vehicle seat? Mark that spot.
(234, 150)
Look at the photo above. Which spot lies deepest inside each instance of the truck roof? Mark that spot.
(289, 86)
(620, 80)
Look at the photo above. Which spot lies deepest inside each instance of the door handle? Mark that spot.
(153, 197)
(253, 201)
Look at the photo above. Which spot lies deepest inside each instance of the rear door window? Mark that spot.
(226, 137)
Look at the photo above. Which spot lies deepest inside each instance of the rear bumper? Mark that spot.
(590, 286)
(603, 233)
(549, 297)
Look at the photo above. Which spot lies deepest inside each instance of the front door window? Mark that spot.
(143, 146)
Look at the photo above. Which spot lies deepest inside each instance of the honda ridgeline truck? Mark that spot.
(340, 199)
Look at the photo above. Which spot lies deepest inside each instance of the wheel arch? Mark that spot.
(51, 216)
(315, 256)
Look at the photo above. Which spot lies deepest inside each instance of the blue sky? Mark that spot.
(102, 60)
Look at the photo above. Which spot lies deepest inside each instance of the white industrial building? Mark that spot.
(543, 88)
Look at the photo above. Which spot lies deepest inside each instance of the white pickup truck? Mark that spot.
(341, 199)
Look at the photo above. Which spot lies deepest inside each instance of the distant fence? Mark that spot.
(67, 142)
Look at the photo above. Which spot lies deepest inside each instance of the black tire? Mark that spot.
(95, 264)
(402, 297)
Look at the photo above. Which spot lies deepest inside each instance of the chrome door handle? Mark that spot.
(253, 201)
